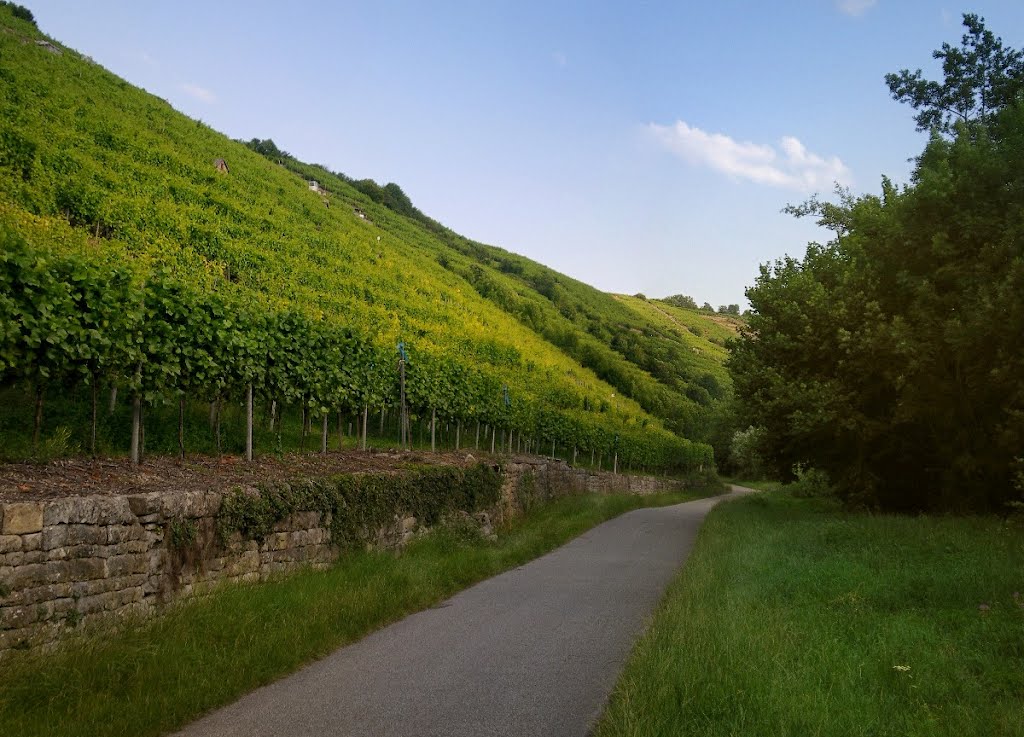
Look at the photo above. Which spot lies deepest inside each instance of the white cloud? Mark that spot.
(789, 165)
(855, 7)
(200, 93)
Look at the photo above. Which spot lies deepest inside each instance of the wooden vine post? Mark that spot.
(95, 403)
(136, 429)
(403, 418)
(181, 426)
(366, 417)
(248, 422)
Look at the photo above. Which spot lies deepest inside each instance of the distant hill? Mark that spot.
(95, 168)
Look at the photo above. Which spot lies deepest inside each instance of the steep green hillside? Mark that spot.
(106, 190)
(676, 375)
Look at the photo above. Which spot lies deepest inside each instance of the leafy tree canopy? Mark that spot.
(19, 11)
(890, 358)
(681, 300)
(979, 79)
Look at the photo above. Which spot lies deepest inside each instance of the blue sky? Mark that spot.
(640, 147)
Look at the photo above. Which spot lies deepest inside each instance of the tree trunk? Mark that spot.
(302, 441)
(615, 464)
(477, 446)
(574, 455)
(273, 413)
(366, 416)
(552, 450)
(323, 436)
(381, 432)
(341, 431)
(458, 433)
(213, 415)
(113, 400)
(433, 430)
(492, 439)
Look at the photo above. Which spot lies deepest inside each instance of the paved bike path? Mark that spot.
(533, 651)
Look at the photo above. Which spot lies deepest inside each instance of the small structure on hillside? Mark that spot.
(221, 165)
(49, 47)
(314, 186)
(359, 213)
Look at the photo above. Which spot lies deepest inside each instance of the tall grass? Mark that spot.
(157, 675)
(793, 617)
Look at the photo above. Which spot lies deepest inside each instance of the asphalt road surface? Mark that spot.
(533, 651)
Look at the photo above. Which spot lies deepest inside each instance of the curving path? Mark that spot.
(533, 651)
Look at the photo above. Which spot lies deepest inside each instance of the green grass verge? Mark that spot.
(793, 617)
(162, 673)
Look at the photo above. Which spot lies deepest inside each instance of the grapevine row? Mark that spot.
(68, 320)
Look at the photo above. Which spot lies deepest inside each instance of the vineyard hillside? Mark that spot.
(106, 190)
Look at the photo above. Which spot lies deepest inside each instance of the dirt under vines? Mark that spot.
(81, 477)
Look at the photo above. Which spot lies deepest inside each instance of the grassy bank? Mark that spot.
(162, 673)
(795, 618)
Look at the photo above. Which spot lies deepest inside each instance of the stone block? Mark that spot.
(10, 543)
(124, 533)
(121, 565)
(89, 510)
(22, 518)
(54, 536)
(86, 534)
(47, 592)
(18, 617)
(12, 559)
(10, 639)
(32, 542)
(24, 577)
(63, 606)
(145, 505)
(190, 504)
(85, 569)
(79, 551)
(151, 585)
(98, 602)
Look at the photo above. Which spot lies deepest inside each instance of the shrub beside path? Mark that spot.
(533, 651)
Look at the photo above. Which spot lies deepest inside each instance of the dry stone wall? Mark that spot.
(67, 561)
